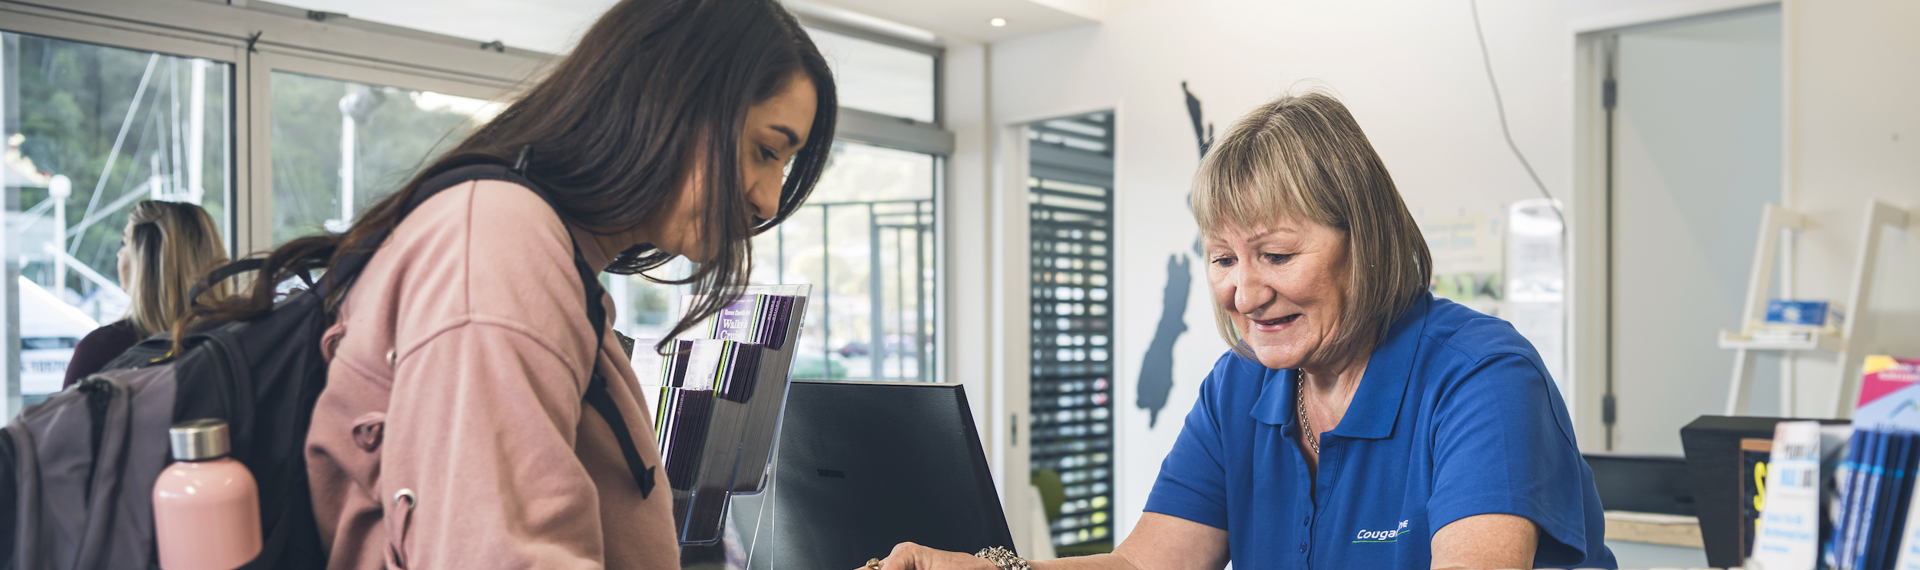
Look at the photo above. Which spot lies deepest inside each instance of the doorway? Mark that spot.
(1070, 220)
(1694, 154)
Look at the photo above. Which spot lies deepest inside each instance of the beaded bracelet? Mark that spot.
(1003, 558)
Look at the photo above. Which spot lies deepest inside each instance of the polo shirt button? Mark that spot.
(1303, 547)
(1306, 521)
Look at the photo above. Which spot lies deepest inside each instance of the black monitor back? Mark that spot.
(867, 465)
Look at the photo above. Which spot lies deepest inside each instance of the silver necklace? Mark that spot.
(1313, 439)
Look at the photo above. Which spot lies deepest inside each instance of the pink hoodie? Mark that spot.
(458, 366)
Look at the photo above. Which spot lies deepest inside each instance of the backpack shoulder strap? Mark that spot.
(597, 395)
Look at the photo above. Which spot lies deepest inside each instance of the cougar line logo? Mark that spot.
(1379, 536)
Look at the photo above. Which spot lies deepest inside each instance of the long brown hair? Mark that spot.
(171, 245)
(613, 129)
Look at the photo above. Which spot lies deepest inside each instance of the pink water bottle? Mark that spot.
(206, 509)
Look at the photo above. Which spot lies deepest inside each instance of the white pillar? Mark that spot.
(156, 184)
(58, 189)
(620, 287)
(196, 129)
(346, 172)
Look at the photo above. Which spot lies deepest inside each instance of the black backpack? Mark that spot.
(77, 471)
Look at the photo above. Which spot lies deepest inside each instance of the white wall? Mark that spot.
(1853, 133)
(1410, 70)
(965, 230)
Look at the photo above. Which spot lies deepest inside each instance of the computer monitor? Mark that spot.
(863, 466)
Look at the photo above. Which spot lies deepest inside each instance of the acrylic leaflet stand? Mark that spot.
(718, 400)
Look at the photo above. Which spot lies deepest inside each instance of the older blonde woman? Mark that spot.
(1358, 422)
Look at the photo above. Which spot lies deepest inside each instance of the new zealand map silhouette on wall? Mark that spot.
(1156, 367)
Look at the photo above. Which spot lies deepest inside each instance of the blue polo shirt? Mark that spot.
(1455, 417)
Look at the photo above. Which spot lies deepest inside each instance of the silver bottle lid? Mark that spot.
(199, 440)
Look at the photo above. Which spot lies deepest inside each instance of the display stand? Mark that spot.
(1846, 344)
(719, 398)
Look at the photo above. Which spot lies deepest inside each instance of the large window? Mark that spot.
(298, 133)
(90, 131)
(866, 239)
(865, 242)
(874, 76)
(339, 146)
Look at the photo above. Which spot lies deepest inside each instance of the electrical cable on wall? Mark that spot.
(1486, 60)
(1501, 106)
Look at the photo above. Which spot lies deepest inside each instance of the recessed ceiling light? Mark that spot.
(998, 22)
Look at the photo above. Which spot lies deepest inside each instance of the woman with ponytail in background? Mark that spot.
(166, 248)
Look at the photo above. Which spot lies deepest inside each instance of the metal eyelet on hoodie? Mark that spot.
(367, 430)
(389, 358)
(403, 504)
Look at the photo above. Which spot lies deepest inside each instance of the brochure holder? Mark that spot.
(719, 395)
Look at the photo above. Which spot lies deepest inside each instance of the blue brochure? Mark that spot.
(1897, 477)
(1849, 484)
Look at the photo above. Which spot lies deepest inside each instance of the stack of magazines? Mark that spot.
(1841, 497)
(1874, 487)
(719, 392)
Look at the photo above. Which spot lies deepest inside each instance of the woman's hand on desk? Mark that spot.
(910, 556)
(1158, 542)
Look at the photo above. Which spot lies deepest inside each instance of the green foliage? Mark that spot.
(73, 99)
(391, 145)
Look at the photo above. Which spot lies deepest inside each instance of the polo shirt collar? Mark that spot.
(1376, 407)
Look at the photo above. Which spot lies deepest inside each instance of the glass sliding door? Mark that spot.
(339, 146)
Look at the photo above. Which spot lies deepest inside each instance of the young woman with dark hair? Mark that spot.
(451, 433)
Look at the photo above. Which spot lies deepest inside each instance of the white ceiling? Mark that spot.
(969, 19)
(552, 26)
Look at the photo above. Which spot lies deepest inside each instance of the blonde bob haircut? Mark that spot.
(1302, 157)
(171, 245)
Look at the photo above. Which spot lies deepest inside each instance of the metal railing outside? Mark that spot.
(892, 331)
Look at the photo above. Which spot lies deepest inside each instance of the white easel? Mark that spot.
(1846, 345)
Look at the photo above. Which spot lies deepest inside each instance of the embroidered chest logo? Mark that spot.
(1381, 536)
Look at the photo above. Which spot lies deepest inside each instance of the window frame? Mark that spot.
(77, 28)
(258, 38)
(268, 60)
(64, 26)
(938, 52)
(901, 133)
